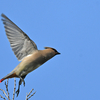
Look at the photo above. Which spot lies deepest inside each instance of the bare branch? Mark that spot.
(7, 89)
(29, 96)
(7, 94)
(30, 92)
(2, 97)
(14, 88)
(4, 92)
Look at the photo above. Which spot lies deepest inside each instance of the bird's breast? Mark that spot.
(30, 63)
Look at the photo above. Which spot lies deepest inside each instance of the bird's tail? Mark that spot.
(10, 75)
(1, 80)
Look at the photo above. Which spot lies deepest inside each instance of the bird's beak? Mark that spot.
(58, 53)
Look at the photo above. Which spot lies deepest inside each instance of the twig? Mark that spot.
(7, 94)
(2, 97)
(14, 88)
(30, 92)
(27, 96)
(7, 89)
(31, 95)
(4, 92)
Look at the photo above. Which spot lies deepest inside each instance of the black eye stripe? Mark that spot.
(54, 50)
(51, 48)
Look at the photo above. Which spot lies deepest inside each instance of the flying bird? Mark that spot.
(25, 50)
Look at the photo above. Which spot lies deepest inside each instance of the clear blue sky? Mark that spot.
(70, 26)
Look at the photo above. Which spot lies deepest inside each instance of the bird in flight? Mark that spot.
(25, 50)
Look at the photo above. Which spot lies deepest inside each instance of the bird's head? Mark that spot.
(55, 51)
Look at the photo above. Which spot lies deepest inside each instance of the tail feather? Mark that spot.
(1, 80)
(10, 75)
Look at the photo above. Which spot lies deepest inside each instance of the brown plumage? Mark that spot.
(25, 50)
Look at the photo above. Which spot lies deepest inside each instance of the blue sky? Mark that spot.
(70, 26)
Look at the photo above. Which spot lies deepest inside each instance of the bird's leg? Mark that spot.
(17, 92)
(20, 82)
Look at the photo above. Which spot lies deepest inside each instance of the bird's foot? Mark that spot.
(17, 92)
(22, 81)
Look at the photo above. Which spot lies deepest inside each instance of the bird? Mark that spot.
(25, 51)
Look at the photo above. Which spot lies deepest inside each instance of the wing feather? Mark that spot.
(20, 43)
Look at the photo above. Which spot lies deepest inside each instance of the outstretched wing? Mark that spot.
(20, 43)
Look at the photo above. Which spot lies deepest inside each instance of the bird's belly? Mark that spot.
(32, 67)
(29, 69)
(29, 64)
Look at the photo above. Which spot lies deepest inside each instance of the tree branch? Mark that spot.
(6, 84)
(14, 88)
(2, 97)
(29, 96)
(4, 92)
